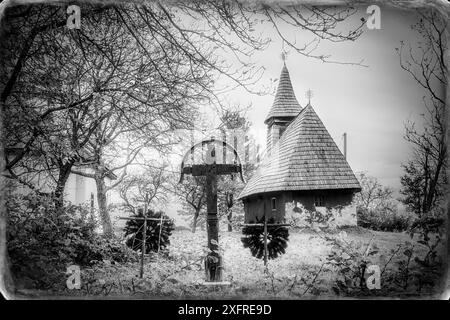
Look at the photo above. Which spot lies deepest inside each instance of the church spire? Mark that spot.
(284, 109)
(285, 103)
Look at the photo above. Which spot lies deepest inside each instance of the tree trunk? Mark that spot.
(6, 279)
(64, 173)
(230, 216)
(194, 222)
(433, 184)
(102, 206)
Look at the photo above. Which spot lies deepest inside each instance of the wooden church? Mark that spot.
(303, 170)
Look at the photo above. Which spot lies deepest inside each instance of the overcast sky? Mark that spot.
(370, 103)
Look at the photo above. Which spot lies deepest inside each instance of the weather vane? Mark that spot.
(309, 94)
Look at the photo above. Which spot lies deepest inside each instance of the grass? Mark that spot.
(300, 273)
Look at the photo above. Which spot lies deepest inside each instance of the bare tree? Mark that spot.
(69, 92)
(424, 181)
(192, 195)
(145, 189)
(373, 195)
(175, 23)
(131, 96)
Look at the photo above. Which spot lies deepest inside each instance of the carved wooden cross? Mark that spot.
(210, 170)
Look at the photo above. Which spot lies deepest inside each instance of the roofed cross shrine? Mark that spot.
(210, 170)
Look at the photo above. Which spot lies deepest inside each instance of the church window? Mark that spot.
(319, 201)
(274, 203)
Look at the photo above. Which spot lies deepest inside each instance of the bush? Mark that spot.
(383, 219)
(43, 240)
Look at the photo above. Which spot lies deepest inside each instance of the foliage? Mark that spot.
(180, 274)
(43, 240)
(277, 238)
(237, 219)
(302, 272)
(350, 260)
(157, 237)
(406, 270)
(430, 230)
(376, 207)
(420, 270)
(383, 219)
(416, 183)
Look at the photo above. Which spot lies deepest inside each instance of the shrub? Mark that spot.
(43, 240)
(384, 219)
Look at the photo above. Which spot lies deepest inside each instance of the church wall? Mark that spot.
(254, 208)
(297, 205)
(339, 204)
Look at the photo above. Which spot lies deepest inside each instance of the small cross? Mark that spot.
(309, 94)
(283, 53)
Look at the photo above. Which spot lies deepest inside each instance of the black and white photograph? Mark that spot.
(224, 150)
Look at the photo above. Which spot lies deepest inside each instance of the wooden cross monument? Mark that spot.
(211, 168)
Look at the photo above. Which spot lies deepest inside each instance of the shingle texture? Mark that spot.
(305, 158)
(285, 103)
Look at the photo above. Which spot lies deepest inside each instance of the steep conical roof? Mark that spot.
(305, 158)
(285, 103)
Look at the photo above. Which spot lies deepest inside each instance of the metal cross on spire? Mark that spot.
(283, 53)
(309, 94)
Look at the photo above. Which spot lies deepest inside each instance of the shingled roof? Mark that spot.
(305, 158)
(285, 103)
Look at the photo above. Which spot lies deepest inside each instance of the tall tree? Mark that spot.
(424, 180)
(131, 96)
